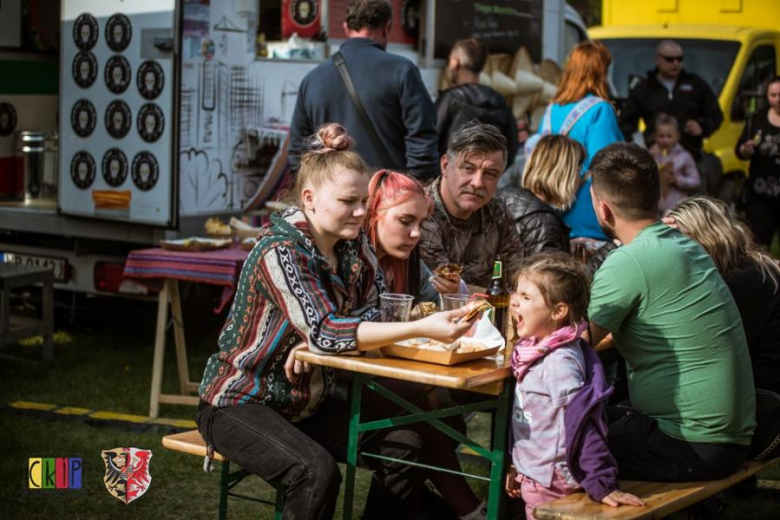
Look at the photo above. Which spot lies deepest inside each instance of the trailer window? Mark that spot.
(752, 95)
(633, 57)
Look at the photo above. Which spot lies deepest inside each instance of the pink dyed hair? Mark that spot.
(386, 189)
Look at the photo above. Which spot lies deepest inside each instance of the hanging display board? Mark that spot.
(116, 106)
(502, 26)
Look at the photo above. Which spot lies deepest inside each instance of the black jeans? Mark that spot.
(644, 452)
(302, 456)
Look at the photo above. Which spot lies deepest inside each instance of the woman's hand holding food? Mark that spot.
(442, 326)
(446, 284)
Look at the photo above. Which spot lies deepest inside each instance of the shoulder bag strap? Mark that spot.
(577, 112)
(368, 126)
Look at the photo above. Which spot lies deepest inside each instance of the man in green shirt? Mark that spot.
(692, 411)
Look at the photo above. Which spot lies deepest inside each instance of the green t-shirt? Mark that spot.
(674, 320)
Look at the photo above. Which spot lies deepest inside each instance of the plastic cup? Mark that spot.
(450, 302)
(395, 307)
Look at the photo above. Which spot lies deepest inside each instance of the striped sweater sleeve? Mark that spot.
(288, 279)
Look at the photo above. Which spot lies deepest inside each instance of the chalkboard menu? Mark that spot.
(501, 25)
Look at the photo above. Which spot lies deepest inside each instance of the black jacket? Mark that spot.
(463, 103)
(392, 92)
(539, 226)
(691, 99)
(759, 306)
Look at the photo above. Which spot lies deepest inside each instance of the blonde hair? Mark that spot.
(585, 73)
(729, 242)
(552, 172)
(560, 279)
(328, 149)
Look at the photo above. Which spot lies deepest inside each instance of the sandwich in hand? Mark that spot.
(447, 270)
(474, 308)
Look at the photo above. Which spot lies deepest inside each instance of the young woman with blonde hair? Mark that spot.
(581, 111)
(551, 179)
(312, 281)
(752, 276)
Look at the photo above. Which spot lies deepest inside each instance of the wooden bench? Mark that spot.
(661, 498)
(192, 443)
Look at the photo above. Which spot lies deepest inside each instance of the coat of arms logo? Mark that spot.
(127, 472)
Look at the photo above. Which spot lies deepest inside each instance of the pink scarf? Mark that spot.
(529, 350)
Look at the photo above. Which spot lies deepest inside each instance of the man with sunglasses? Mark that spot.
(672, 90)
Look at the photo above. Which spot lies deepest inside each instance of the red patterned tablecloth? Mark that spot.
(220, 267)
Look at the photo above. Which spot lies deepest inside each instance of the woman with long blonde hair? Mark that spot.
(752, 276)
(581, 111)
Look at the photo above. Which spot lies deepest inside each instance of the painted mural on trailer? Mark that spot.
(235, 111)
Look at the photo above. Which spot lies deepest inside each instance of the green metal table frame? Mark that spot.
(496, 456)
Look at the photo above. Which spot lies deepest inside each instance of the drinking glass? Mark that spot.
(395, 307)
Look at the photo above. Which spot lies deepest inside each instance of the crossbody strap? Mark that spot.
(368, 126)
(577, 112)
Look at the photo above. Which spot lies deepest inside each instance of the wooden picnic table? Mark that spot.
(489, 376)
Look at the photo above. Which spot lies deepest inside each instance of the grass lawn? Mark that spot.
(103, 362)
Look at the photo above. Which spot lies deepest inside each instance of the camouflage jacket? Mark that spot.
(473, 243)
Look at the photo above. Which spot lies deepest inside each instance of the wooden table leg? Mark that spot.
(178, 334)
(352, 446)
(159, 349)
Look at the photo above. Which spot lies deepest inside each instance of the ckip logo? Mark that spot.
(54, 473)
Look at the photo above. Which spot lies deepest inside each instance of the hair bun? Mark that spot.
(330, 137)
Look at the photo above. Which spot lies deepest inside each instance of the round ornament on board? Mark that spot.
(118, 119)
(114, 167)
(151, 122)
(304, 12)
(119, 32)
(8, 119)
(145, 171)
(117, 74)
(85, 32)
(83, 118)
(150, 79)
(82, 170)
(85, 69)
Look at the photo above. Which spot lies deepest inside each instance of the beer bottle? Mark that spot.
(498, 297)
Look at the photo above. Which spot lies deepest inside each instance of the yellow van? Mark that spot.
(733, 45)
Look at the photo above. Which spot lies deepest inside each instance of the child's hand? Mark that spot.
(617, 498)
(512, 485)
(671, 180)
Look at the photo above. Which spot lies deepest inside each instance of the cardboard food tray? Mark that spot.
(203, 244)
(439, 357)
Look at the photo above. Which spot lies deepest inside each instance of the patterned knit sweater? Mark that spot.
(289, 293)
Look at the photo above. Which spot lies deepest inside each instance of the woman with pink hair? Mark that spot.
(397, 206)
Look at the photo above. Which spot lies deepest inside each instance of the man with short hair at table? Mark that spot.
(469, 225)
(673, 319)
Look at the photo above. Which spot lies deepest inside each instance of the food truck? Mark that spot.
(126, 123)
(733, 46)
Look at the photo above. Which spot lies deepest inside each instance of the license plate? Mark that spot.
(58, 265)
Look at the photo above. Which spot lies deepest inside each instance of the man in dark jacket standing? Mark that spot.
(469, 100)
(390, 89)
(670, 89)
